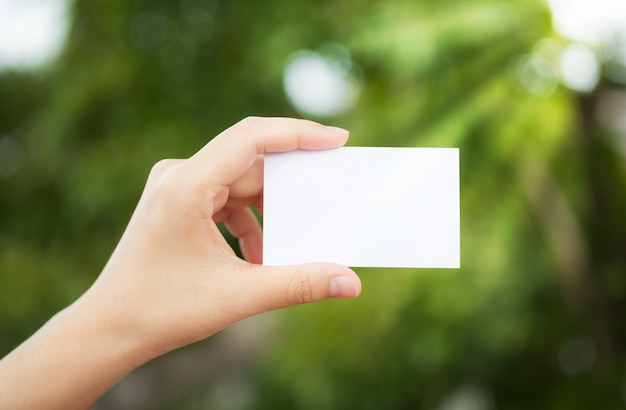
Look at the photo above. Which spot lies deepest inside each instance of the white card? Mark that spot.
(363, 206)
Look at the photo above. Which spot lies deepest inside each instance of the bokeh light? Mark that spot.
(320, 84)
(471, 396)
(598, 21)
(537, 75)
(598, 32)
(580, 68)
(31, 31)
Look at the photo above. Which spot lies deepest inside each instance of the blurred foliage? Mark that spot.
(534, 317)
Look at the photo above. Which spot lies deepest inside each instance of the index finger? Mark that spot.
(229, 155)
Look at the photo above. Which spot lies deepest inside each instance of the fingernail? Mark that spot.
(342, 287)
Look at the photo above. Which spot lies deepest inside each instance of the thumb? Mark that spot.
(275, 287)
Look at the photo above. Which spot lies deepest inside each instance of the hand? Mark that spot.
(174, 276)
(173, 279)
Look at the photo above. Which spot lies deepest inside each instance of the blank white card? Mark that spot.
(363, 206)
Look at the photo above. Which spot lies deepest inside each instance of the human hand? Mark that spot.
(173, 279)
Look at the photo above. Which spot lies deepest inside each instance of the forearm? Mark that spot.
(69, 363)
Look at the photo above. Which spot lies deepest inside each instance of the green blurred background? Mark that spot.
(533, 319)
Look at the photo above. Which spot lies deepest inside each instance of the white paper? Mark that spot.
(363, 206)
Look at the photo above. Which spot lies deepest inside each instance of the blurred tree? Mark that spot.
(532, 320)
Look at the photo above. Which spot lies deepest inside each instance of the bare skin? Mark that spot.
(173, 280)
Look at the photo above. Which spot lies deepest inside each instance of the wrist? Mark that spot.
(105, 333)
(86, 350)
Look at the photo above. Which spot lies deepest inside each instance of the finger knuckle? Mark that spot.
(253, 125)
(160, 167)
(300, 291)
(251, 121)
(164, 182)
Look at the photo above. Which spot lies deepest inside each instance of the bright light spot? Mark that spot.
(537, 75)
(580, 69)
(599, 22)
(319, 85)
(589, 21)
(31, 31)
(468, 397)
(577, 355)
